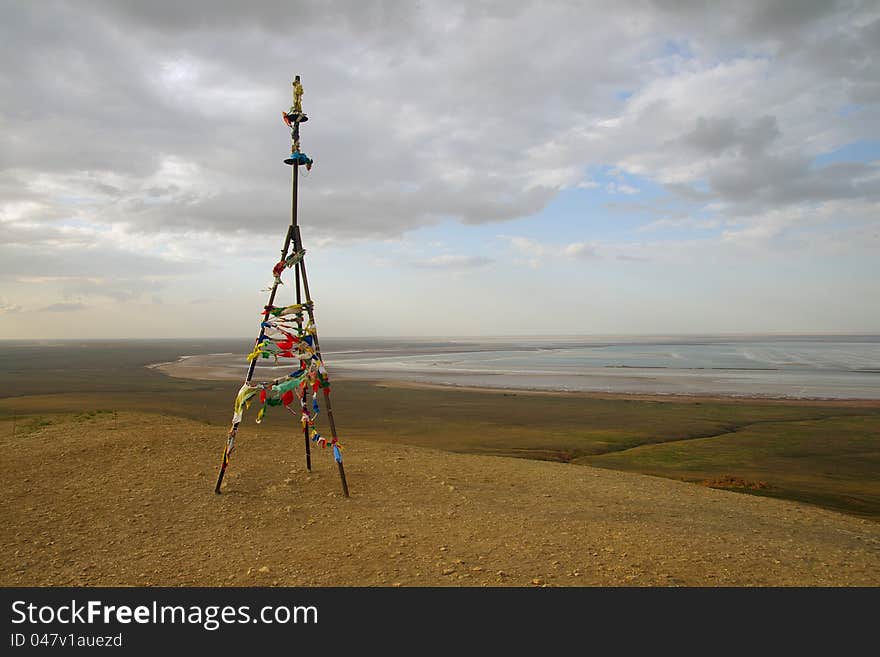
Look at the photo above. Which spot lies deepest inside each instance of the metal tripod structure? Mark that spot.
(293, 118)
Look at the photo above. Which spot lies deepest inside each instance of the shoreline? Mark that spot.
(633, 396)
(185, 368)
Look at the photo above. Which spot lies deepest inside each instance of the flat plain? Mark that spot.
(109, 470)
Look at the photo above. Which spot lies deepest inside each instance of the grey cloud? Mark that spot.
(688, 192)
(866, 92)
(38, 252)
(103, 99)
(787, 16)
(273, 16)
(716, 135)
(780, 180)
(126, 289)
(419, 113)
(782, 22)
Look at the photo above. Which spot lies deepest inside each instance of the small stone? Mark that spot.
(264, 569)
(538, 582)
(443, 548)
(448, 571)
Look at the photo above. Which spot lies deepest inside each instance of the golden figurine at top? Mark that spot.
(297, 96)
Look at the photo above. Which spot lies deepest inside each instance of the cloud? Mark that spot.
(63, 308)
(621, 188)
(773, 181)
(680, 223)
(539, 252)
(580, 250)
(449, 261)
(824, 231)
(163, 133)
(526, 245)
(534, 250)
(716, 136)
(9, 308)
(85, 254)
(114, 289)
(137, 153)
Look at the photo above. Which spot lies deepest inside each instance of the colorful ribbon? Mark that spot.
(286, 333)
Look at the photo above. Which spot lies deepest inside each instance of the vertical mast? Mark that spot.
(298, 117)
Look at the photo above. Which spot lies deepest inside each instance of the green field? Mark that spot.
(823, 454)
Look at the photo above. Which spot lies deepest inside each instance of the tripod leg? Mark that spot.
(222, 471)
(306, 439)
(336, 453)
(230, 444)
(342, 478)
(305, 283)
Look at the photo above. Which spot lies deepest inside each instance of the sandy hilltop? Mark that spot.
(98, 500)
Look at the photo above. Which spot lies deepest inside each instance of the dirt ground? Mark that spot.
(93, 500)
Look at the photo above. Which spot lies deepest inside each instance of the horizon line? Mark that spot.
(520, 336)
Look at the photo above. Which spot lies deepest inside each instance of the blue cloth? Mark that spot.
(298, 158)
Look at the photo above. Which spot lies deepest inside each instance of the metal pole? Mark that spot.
(304, 403)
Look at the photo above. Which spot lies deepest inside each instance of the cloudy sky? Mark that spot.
(484, 168)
